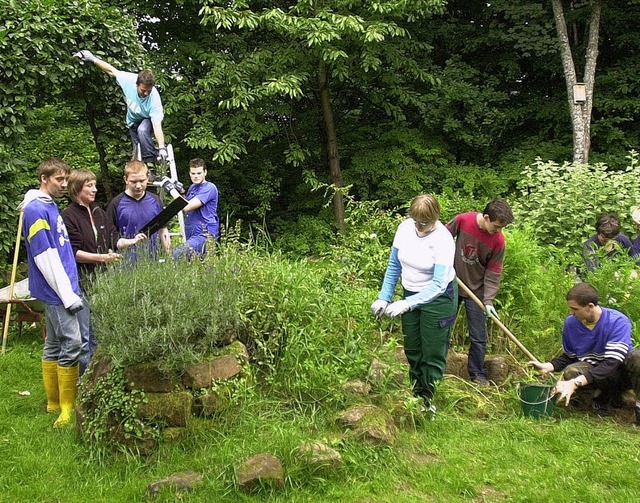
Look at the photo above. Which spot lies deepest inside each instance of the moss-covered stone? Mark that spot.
(148, 377)
(172, 409)
(370, 422)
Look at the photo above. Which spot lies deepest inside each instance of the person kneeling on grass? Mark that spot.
(598, 352)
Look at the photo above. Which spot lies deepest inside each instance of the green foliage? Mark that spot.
(531, 300)
(362, 252)
(564, 201)
(16, 179)
(171, 313)
(110, 411)
(299, 330)
(308, 236)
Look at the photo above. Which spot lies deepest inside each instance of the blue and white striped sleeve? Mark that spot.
(391, 276)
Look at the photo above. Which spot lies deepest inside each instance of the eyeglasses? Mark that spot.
(423, 225)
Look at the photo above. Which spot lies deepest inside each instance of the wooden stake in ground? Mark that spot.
(513, 338)
(5, 327)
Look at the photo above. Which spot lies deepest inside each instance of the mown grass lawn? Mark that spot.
(467, 453)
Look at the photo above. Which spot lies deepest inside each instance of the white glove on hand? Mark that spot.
(397, 308)
(491, 311)
(378, 307)
(85, 56)
(163, 155)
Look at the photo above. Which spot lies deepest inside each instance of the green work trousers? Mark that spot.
(426, 331)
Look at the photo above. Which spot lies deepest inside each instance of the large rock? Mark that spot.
(498, 367)
(202, 375)
(206, 405)
(370, 422)
(318, 455)
(148, 377)
(260, 469)
(173, 409)
(356, 387)
(183, 481)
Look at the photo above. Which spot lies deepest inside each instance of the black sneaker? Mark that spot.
(600, 409)
(480, 380)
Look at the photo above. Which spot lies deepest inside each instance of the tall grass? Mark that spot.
(479, 448)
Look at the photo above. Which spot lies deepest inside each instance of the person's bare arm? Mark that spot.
(165, 239)
(106, 67)
(193, 204)
(88, 56)
(157, 131)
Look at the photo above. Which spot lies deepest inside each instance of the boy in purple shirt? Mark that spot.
(597, 350)
(53, 279)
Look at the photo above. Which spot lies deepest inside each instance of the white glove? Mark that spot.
(163, 155)
(397, 308)
(491, 311)
(378, 307)
(85, 56)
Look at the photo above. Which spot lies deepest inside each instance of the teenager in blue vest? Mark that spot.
(53, 279)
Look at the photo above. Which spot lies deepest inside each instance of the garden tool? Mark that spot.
(497, 321)
(68, 388)
(50, 379)
(5, 326)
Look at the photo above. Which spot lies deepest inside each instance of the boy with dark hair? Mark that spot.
(201, 213)
(144, 107)
(607, 235)
(53, 279)
(598, 351)
(480, 249)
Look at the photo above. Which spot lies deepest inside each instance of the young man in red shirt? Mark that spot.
(480, 249)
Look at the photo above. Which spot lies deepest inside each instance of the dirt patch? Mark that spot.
(488, 493)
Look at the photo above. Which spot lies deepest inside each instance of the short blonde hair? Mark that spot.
(425, 209)
(77, 179)
(135, 167)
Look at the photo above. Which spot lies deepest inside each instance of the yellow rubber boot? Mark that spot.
(50, 378)
(68, 388)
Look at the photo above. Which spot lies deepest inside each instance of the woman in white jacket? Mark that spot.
(422, 257)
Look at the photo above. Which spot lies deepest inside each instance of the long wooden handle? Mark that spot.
(5, 327)
(496, 321)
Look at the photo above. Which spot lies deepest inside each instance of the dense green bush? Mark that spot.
(306, 330)
(171, 313)
(534, 284)
(563, 202)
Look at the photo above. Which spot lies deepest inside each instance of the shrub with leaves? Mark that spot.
(563, 202)
(171, 313)
(307, 334)
(534, 284)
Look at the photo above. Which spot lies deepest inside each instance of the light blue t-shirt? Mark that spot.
(138, 108)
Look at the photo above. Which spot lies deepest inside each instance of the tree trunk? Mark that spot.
(102, 155)
(580, 112)
(332, 144)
